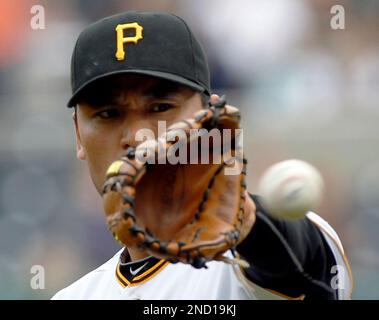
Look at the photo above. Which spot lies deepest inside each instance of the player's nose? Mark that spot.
(128, 138)
(132, 132)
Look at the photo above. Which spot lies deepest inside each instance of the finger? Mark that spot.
(214, 98)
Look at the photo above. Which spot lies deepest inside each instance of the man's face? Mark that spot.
(107, 124)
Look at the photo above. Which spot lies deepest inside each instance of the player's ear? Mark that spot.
(80, 153)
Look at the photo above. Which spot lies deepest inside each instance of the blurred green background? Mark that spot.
(305, 91)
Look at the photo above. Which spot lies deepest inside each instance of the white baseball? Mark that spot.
(290, 189)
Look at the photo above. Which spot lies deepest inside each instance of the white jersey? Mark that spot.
(154, 279)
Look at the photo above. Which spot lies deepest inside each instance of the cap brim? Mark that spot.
(162, 75)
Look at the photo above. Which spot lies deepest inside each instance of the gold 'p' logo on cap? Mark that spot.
(121, 39)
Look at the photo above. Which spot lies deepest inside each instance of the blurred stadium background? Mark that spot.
(306, 91)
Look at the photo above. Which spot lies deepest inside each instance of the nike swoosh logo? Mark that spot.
(137, 270)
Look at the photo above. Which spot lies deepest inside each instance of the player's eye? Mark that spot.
(161, 107)
(108, 114)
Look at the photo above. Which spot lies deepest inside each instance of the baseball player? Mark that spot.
(130, 71)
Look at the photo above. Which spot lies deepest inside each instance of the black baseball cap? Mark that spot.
(149, 43)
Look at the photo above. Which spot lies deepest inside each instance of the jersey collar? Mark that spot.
(131, 273)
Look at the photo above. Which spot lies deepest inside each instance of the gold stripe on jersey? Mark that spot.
(142, 278)
(153, 274)
(301, 297)
(120, 278)
(147, 272)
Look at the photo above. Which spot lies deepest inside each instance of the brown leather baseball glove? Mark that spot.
(190, 212)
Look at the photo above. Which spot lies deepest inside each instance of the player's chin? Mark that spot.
(98, 173)
(98, 186)
(98, 180)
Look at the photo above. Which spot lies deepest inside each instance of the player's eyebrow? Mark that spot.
(161, 90)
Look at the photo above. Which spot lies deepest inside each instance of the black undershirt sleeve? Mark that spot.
(290, 257)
